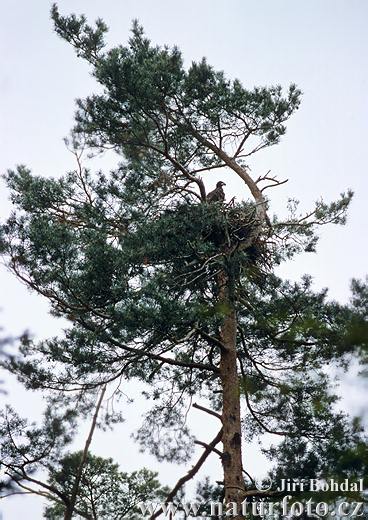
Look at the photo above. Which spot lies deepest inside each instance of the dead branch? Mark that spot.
(207, 410)
(191, 473)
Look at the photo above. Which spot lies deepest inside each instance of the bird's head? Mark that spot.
(220, 184)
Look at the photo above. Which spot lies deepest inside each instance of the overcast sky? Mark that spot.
(319, 44)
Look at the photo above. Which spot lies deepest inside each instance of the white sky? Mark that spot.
(320, 45)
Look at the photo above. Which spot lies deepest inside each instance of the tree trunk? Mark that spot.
(232, 453)
(68, 514)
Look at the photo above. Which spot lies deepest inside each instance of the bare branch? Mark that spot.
(74, 494)
(205, 445)
(207, 410)
(191, 473)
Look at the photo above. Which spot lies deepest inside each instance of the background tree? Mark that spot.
(6, 341)
(105, 493)
(77, 485)
(27, 448)
(3, 343)
(161, 286)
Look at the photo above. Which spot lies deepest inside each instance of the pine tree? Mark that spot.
(35, 460)
(162, 286)
(106, 492)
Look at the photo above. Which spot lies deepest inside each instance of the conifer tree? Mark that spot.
(162, 286)
(105, 493)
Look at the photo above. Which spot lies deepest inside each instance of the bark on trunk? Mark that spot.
(68, 514)
(232, 445)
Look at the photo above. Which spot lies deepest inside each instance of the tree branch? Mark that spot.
(207, 410)
(191, 473)
(73, 498)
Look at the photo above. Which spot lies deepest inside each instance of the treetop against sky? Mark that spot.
(161, 285)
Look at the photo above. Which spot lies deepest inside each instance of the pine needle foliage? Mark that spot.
(151, 276)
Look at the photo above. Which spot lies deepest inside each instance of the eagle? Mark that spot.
(218, 194)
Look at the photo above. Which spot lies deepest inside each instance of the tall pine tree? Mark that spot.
(160, 285)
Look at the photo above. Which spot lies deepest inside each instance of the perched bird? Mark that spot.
(218, 194)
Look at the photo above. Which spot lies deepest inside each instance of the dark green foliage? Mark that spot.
(357, 331)
(207, 492)
(25, 446)
(132, 258)
(341, 454)
(162, 116)
(90, 41)
(105, 492)
(3, 343)
(28, 450)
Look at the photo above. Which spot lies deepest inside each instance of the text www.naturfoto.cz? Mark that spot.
(287, 508)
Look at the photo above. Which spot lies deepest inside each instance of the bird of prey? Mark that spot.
(218, 194)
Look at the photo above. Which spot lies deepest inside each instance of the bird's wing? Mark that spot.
(212, 196)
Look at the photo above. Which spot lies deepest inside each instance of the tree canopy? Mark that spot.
(161, 286)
